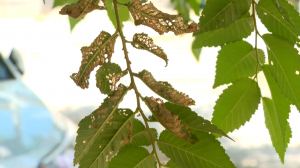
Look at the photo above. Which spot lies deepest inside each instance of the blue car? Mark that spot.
(31, 136)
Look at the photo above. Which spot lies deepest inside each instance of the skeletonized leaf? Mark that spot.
(192, 120)
(206, 153)
(149, 15)
(165, 90)
(96, 54)
(238, 30)
(142, 41)
(236, 105)
(140, 136)
(133, 157)
(271, 16)
(171, 164)
(235, 61)
(221, 13)
(284, 64)
(107, 77)
(123, 13)
(80, 9)
(96, 130)
(168, 119)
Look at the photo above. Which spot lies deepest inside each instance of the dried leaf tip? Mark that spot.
(142, 41)
(80, 9)
(149, 15)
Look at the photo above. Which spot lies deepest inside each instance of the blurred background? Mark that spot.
(40, 106)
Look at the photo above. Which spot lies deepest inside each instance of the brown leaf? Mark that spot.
(80, 9)
(149, 15)
(168, 119)
(99, 52)
(142, 41)
(165, 90)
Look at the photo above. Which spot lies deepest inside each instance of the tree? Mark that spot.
(109, 135)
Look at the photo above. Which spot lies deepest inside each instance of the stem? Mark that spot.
(119, 29)
(256, 34)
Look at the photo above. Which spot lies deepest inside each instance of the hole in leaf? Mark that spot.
(271, 62)
(265, 13)
(100, 146)
(297, 72)
(84, 141)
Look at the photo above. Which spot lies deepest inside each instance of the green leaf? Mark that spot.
(284, 62)
(218, 14)
(44, 1)
(235, 61)
(107, 77)
(196, 51)
(62, 2)
(181, 7)
(274, 21)
(91, 127)
(236, 105)
(73, 22)
(206, 153)
(165, 90)
(171, 164)
(123, 13)
(238, 30)
(140, 136)
(192, 120)
(289, 12)
(133, 157)
(195, 4)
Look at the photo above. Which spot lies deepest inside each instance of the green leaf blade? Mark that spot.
(73, 22)
(235, 61)
(171, 164)
(236, 105)
(195, 5)
(62, 2)
(181, 7)
(123, 13)
(140, 135)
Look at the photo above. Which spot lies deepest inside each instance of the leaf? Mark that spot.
(192, 120)
(195, 4)
(165, 90)
(149, 15)
(123, 13)
(289, 12)
(235, 61)
(206, 153)
(171, 164)
(238, 30)
(218, 14)
(140, 136)
(44, 1)
(284, 64)
(275, 22)
(168, 119)
(133, 157)
(92, 126)
(62, 2)
(73, 22)
(181, 7)
(96, 54)
(196, 52)
(236, 105)
(107, 77)
(80, 9)
(142, 41)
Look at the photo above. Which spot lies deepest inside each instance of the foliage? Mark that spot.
(113, 137)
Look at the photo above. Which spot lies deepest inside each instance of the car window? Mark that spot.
(5, 74)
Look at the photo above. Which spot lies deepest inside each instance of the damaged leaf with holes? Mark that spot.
(147, 14)
(168, 119)
(107, 77)
(79, 9)
(165, 90)
(92, 130)
(99, 52)
(142, 41)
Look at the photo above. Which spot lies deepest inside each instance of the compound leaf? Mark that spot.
(123, 13)
(168, 119)
(140, 136)
(165, 90)
(238, 30)
(103, 131)
(236, 105)
(274, 21)
(149, 15)
(235, 61)
(221, 13)
(96, 54)
(142, 41)
(192, 120)
(206, 153)
(284, 64)
(133, 157)
(107, 77)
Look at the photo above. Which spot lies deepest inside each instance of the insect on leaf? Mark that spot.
(168, 119)
(97, 131)
(107, 77)
(165, 90)
(80, 9)
(96, 54)
(141, 136)
(142, 41)
(148, 15)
